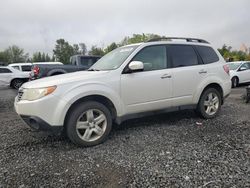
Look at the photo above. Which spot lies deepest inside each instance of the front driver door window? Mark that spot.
(148, 89)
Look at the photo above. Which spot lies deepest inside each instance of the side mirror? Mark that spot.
(136, 66)
(242, 68)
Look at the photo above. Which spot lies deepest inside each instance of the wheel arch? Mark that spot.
(215, 86)
(24, 79)
(56, 72)
(235, 76)
(97, 98)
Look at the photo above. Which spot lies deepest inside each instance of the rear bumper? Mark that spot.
(37, 123)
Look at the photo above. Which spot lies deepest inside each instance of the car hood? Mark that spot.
(65, 79)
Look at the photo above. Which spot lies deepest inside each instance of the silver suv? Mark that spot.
(165, 74)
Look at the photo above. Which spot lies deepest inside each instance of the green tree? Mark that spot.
(229, 55)
(14, 54)
(248, 57)
(47, 58)
(37, 57)
(225, 51)
(76, 49)
(43, 57)
(3, 57)
(63, 50)
(137, 38)
(110, 47)
(96, 51)
(83, 48)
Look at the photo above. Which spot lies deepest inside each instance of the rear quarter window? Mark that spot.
(208, 55)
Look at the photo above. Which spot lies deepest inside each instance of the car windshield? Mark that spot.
(113, 59)
(233, 66)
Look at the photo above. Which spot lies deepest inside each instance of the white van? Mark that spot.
(26, 67)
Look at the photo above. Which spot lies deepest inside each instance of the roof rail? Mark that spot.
(178, 38)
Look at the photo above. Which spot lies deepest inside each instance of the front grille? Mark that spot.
(19, 95)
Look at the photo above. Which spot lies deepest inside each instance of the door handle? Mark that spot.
(202, 71)
(166, 76)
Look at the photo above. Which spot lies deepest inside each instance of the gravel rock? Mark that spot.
(167, 150)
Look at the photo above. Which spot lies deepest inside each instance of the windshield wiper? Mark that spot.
(93, 69)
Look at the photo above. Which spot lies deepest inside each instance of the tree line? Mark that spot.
(63, 50)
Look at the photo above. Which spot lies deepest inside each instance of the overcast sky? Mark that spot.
(35, 25)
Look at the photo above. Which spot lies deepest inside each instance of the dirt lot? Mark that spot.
(169, 150)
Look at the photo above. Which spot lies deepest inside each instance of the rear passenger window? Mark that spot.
(207, 54)
(183, 55)
(26, 68)
(16, 67)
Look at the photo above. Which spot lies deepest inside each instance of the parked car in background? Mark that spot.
(12, 77)
(83, 60)
(26, 67)
(77, 63)
(131, 81)
(239, 72)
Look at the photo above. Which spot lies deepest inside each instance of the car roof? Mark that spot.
(178, 42)
(173, 40)
(52, 62)
(19, 64)
(238, 62)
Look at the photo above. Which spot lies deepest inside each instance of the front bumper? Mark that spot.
(37, 123)
(51, 109)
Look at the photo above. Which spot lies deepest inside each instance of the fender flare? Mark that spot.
(61, 71)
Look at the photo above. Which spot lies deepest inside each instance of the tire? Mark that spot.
(17, 83)
(210, 98)
(82, 126)
(235, 82)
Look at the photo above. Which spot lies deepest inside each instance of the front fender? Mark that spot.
(83, 90)
(61, 71)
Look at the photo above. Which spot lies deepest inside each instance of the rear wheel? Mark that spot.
(209, 104)
(17, 83)
(89, 124)
(235, 82)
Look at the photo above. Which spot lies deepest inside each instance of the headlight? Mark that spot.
(37, 93)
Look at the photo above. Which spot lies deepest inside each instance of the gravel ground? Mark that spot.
(169, 150)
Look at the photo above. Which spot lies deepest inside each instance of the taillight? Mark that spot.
(36, 70)
(226, 69)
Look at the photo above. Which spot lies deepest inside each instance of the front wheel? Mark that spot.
(89, 124)
(17, 83)
(235, 82)
(209, 104)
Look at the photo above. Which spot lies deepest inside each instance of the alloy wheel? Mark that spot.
(91, 125)
(211, 103)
